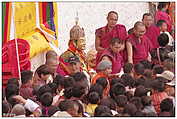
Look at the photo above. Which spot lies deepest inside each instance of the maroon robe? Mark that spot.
(161, 15)
(116, 58)
(140, 50)
(26, 91)
(152, 33)
(119, 31)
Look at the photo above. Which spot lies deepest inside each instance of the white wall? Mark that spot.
(92, 15)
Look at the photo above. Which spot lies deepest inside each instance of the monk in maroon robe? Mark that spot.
(138, 45)
(148, 22)
(161, 14)
(106, 33)
(152, 33)
(113, 55)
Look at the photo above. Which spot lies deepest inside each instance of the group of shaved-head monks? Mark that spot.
(131, 73)
(113, 43)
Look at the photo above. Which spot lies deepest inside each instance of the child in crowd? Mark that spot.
(42, 75)
(121, 101)
(110, 103)
(163, 29)
(26, 87)
(104, 70)
(158, 94)
(147, 105)
(167, 108)
(102, 110)
(93, 100)
(159, 55)
(128, 68)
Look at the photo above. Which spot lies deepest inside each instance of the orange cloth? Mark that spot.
(101, 75)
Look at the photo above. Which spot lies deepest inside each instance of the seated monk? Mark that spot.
(112, 54)
(76, 48)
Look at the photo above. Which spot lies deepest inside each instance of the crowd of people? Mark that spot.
(130, 74)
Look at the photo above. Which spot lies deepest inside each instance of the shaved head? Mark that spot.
(138, 23)
(139, 29)
(50, 54)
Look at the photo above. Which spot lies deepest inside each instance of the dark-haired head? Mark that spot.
(147, 64)
(166, 105)
(140, 91)
(130, 108)
(100, 110)
(52, 110)
(93, 98)
(148, 74)
(169, 64)
(43, 89)
(68, 92)
(128, 68)
(79, 91)
(146, 14)
(59, 80)
(140, 81)
(158, 85)
(128, 80)
(26, 76)
(158, 69)
(163, 52)
(68, 82)
(11, 90)
(115, 44)
(112, 19)
(113, 41)
(163, 39)
(146, 100)
(70, 106)
(53, 87)
(46, 99)
(13, 81)
(147, 19)
(117, 89)
(97, 88)
(137, 102)
(139, 69)
(102, 81)
(12, 101)
(112, 12)
(109, 102)
(121, 100)
(43, 70)
(115, 80)
(80, 78)
(160, 23)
